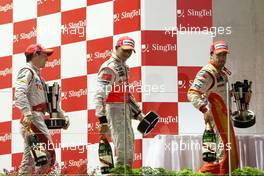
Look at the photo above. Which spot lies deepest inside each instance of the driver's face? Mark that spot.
(124, 54)
(220, 59)
(43, 57)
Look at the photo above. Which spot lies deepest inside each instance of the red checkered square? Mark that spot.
(56, 137)
(136, 83)
(158, 49)
(6, 11)
(74, 160)
(5, 137)
(52, 70)
(73, 26)
(92, 2)
(16, 113)
(5, 72)
(168, 123)
(186, 76)
(93, 123)
(25, 33)
(46, 7)
(192, 13)
(98, 51)
(126, 17)
(138, 154)
(16, 160)
(74, 93)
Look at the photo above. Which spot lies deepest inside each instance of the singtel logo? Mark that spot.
(194, 13)
(53, 63)
(78, 163)
(99, 55)
(74, 93)
(5, 138)
(6, 7)
(5, 72)
(159, 47)
(169, 119)
(74, 28)
(125, 15)
(199, 13)
(25, 36)
(138, 156)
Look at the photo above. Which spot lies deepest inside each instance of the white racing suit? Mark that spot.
(210, 81)
(111, 99)
(31, 100)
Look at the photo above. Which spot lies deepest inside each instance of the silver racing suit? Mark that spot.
(31, 100)
(112, 107)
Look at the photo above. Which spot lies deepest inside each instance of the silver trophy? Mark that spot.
(53, 96)
(147, 122)
(243, 117)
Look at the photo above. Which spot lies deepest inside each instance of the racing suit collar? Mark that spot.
(215, 66)
(117, 58)
(34, 67)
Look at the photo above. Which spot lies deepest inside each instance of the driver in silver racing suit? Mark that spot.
(30, 99)
(112, 101)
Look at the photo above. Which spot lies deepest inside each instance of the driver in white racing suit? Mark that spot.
(30, 98)
(111, 99)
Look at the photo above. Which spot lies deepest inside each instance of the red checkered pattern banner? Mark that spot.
(83, 33)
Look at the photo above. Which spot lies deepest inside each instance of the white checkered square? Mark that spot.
(158, 14)
(18, 62)
(6, 102)
(72, 4)
(76, 134)
(46, 35)
(159, 84)
(193, 49)
(17, 139)
(91, 81)
(24, 10)
(6, 36)
(99, 21)
(73, 60)
(6, 162)
(190, 119)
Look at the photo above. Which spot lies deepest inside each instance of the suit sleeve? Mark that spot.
(203, 82)
(105, 80)
(23, 83)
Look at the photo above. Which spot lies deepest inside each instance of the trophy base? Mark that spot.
(148, 123)
(55, 123)
(244, 121)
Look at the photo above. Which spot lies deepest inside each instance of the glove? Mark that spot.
(67, 122)
(103, 128)
(27, 121)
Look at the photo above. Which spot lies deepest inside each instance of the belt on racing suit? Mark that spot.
(40, 108)
(118, 96)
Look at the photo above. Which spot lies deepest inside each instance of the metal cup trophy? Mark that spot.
(147, 122)
(243, 117)
(53, 94)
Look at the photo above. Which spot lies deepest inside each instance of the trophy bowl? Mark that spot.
(244, 119)
(55, 123)
(148, 123)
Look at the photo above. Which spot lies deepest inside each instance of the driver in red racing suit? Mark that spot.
(208, 94)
